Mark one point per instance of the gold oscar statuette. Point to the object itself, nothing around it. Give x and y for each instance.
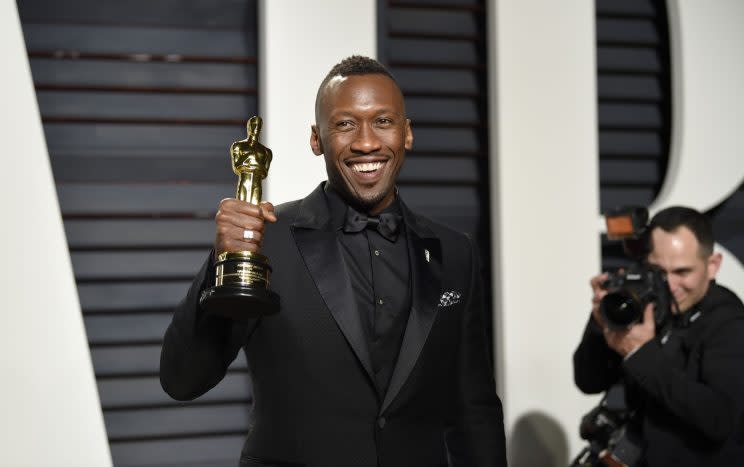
(241, 287)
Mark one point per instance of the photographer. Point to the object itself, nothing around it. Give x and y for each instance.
(683, 374)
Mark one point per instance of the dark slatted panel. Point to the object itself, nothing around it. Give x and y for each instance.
(634, 105)
(437, 51)
(140, 101)
(728, 223)
(635, 116)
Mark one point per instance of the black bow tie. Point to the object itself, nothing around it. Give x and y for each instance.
(387, 223)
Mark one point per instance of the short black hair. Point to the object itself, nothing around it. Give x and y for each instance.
(354, 65)
(672, 218)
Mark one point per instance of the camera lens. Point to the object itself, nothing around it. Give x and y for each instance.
(620, 310)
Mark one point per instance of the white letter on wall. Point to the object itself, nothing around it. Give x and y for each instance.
(545, 200)
(295, 54)
(706, 161)
(545, 189)
(50, 412)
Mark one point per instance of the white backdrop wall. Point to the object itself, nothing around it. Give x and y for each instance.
(545, 181)
(49, 402)
(706, 160)
(299, 42)
(545, 200)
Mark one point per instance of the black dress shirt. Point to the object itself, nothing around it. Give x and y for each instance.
(380, 279)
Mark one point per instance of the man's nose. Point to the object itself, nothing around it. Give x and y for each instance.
(673, 283)
(366, 140)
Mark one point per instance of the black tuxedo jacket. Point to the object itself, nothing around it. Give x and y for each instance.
(315, 402)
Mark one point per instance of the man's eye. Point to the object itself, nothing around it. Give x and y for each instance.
(344, 124)
(384, 121)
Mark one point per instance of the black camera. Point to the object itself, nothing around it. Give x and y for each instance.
(613, 432)
(630, 289)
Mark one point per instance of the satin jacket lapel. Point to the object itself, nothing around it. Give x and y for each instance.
(316, 240)
(425, 258)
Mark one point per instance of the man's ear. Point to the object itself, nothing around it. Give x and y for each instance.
(714, 264)
(409, 135)
(315, 143)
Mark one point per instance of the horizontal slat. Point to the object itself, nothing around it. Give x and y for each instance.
(631, 172)
(125, 360)
(436, 81)
(190, 452)
(102, 140)
(177, 421)
(441, 110)
(428, 51)
(614, 197)
(114, 297)
(118, 105)
(208, 76)
(627, 31)
(199, 199)
(633, 115)
(116, 329)
(138, 40)
(440, 199)
(645, 8)
(445, 139)
(402, 20)
(629, 87)
(626, 143)
(444, 170)
(213, 168)
(627, 60)
(118, 265)
(120, 393)
(89, 234)
(168, 233)
(118, 361)
(192, 13)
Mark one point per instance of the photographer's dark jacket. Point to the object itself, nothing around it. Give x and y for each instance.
(687, 384)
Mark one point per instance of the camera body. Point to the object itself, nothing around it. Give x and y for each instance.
(612, 428)
(630, 289)
(613, 433)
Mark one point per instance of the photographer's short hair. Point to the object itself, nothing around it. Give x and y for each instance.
(671, 219)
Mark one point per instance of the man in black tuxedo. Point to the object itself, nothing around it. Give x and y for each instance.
(378, 355)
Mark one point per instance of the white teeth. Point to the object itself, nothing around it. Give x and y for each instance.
(366, 166)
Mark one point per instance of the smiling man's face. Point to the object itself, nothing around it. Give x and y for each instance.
(363, 132)
(689, 270)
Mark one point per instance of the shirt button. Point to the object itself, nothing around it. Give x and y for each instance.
(380, 301)
(377, 252)
(381, 422)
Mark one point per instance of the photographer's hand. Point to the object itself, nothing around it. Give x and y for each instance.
(598, 293)
(628, 341)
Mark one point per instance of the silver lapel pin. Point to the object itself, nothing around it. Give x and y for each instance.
(427, 255)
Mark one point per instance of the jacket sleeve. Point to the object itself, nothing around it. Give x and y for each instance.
(711, 403)
(477, 437)
(596, 366)
(198, 347)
